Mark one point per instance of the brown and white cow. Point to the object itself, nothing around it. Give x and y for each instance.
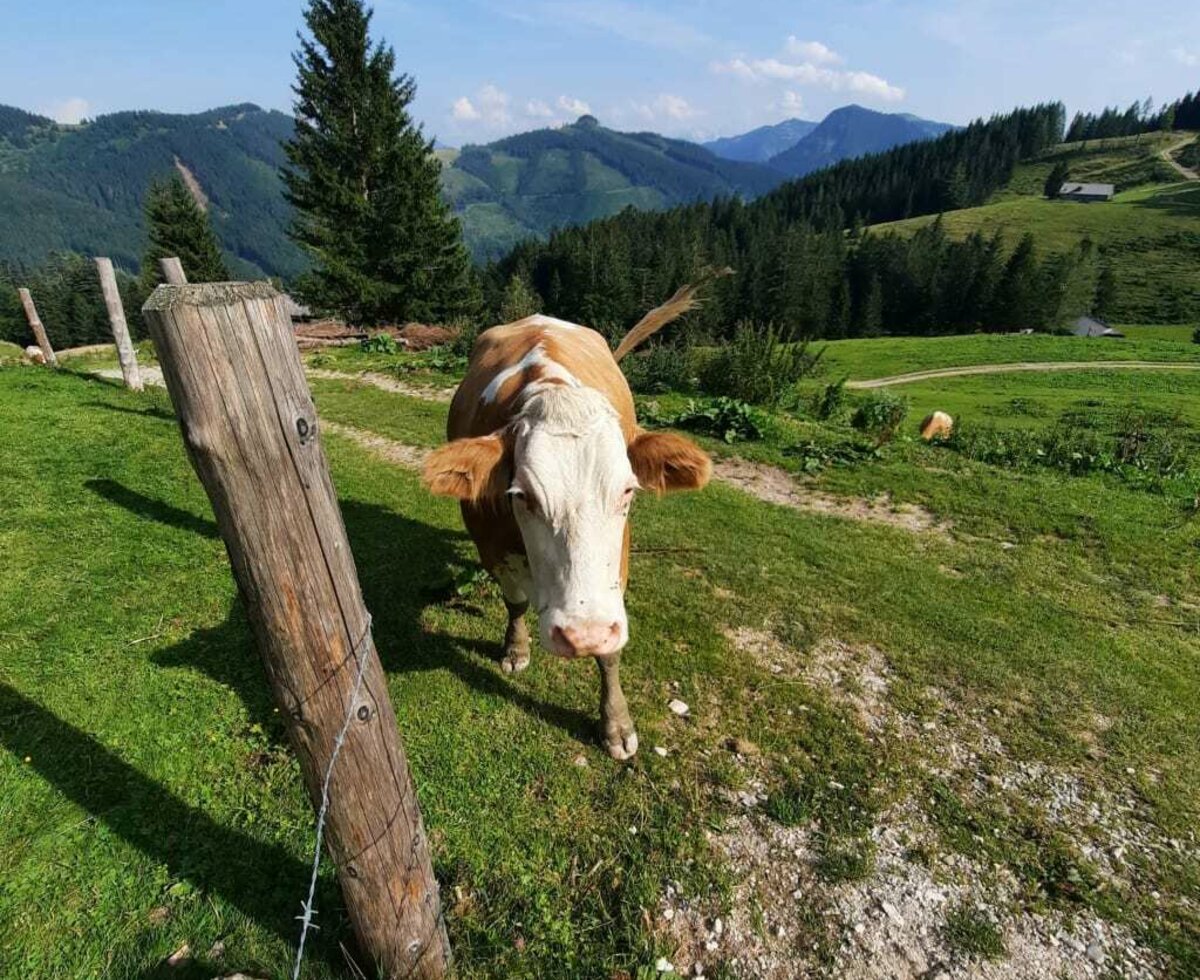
(546, 455)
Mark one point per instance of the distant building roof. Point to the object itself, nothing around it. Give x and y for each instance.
(1087, 326)
(1104, 191)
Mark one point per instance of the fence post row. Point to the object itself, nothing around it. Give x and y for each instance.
(234, 374)
(35, 324)
(116, 318)
(172, 270)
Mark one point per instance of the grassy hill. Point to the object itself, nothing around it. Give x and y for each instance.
(1150, 233)
(529, 184)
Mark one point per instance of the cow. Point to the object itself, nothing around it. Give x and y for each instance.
(545, 456)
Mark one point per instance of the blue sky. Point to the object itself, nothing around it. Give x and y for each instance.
(696, 69)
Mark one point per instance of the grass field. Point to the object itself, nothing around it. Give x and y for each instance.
(996, 705)
(1150, 232)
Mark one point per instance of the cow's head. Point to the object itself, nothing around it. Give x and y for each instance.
(567, 472)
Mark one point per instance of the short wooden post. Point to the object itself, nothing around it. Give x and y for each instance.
(172, 270)
(234, 375)
(35, 324)
(116, 318)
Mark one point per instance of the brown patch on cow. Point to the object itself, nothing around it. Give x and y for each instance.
(410, 457)
(664, 462)
(468, 469)
(776, 486)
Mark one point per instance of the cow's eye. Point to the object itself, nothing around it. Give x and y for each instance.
(627, 497)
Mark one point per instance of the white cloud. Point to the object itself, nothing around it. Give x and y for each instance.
(808, 64)
(792, 101)
(1185, 57)
(664, 107)
(576, 107)
(69, 111)
(537, 109)
(489, 108)
(813, 52)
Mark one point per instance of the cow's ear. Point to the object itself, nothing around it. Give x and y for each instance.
(469, 469)
(663, 461)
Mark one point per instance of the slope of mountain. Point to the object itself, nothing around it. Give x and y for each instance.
(853, 131)
(525, 185)
(759, 145)
(81, 187)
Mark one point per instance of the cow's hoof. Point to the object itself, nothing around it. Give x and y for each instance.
(622, 747)
(515, 660)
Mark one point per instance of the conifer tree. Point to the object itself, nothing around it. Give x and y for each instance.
(176, 226)
(1105, 302)
(1054, 182)
(520, 299)
(365, 183)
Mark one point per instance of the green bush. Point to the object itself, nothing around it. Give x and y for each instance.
(880, 415)
(1196, 335)
(725, 418)
(831, 400)
(660, 368)
(464, 340)
(380, 343)
(759, 365)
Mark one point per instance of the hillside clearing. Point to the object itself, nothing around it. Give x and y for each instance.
(999, 714)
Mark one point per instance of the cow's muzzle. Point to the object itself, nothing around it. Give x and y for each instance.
(587, 639)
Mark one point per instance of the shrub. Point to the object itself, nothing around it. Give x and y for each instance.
(1196, 335)
(880, 415)
(725, 418)
(831, 401)
(464, 340)
(759, 365)
(380, 343)
(661, 368)
(815, 456)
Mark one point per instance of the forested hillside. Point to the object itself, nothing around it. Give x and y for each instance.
(80, 188)
(759, 145)
(526, 185)
(850, 132)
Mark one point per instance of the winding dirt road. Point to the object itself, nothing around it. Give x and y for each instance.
(957, 372)
(1183, 171)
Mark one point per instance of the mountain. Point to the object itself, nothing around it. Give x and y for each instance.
(853, 131)
(526, 185)
(759, 145)
(81, 188)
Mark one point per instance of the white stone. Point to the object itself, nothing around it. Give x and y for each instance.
(664, 965)
(659, 750)
(678, 707)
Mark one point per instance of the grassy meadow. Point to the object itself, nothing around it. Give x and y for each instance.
(147, 799)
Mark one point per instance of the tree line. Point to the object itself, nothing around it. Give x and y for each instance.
(1140, 117)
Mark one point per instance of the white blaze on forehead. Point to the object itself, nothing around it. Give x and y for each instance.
(572, 464)
(537, 357)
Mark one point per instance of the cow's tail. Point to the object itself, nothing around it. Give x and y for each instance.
(686, 298)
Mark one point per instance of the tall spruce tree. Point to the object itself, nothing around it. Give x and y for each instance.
(365, 183)
(177, 226)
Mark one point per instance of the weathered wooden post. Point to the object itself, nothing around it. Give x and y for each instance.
(172, 270)
(234, 374)
(35, 324)
(116, 318)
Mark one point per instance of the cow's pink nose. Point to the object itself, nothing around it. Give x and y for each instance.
(586, 639)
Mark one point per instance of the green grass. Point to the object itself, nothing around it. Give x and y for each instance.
(861, 360)
(1150, 233)
(971, 933)
(158, 804)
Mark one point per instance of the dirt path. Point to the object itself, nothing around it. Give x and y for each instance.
(385, 383)
(1179, 168)
(956, 372)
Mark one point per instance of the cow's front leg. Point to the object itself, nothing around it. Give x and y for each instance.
(516, 639)
(619, 737)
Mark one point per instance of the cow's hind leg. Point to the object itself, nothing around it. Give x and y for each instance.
(617, 726)
(516, 639)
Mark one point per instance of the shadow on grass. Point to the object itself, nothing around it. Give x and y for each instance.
(1182, 201)
(397, 559)
(260, 879)
(150, 412)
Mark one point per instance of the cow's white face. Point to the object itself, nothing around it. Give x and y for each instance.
(571, 488)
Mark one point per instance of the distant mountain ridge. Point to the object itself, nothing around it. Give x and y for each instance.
(853, 131)
(759, 145)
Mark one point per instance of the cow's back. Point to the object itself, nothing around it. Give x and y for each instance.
(539, 349)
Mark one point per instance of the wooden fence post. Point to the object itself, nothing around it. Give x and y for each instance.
(234, 374)
(35, 324)
(172, 270)
(116, 318)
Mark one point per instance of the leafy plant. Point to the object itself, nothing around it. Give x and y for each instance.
(759, 365)
(831, 400)
(725, 418)
(972, 933)
(815, 456)
(660, 368)
(880, 415)
(380, 343)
